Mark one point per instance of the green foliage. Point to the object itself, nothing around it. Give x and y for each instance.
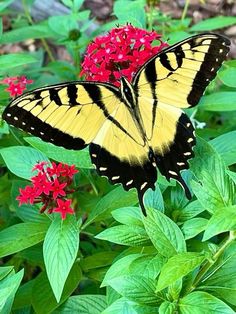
(109, 258)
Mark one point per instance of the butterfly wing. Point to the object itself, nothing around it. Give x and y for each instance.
(173, 79)
(68, 114)
(74, 115)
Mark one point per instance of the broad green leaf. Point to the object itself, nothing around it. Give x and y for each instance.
(154, 199)
(224, 219)
(213, 23)
(97, 260)
(20, 160)
(232, 176)
(136, 288)
(79, 158)
(115, 199)
(167, 308)
(225, 145)
(190, 211)
(221, 278)
(13, 60)
(128, 216)
(120, 267)
(127, 235)
(216, 188)
(177, 267)
(164, 233)
(201, 302)
(26, 212)
(8, 288)
(228, 76)
(21, 236)
(40, 30)
(42, 295)
(83, 304)
(126, 306)
(23, 295)
(60, 249)
(220, 101)
(5, 270)
(194, 226)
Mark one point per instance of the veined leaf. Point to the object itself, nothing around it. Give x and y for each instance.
(132, 216)
(13, 60)
(60, 249)
(164, 233)
(194, 226)
(213, 23)
(177, 267)
(220, 101)
(228, 76)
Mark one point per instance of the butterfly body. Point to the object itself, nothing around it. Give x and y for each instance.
(133, 130)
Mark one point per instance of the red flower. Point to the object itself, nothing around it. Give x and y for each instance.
(16, 85)
(120, 52)
(57, 189)
(48, 190)
(63, 208)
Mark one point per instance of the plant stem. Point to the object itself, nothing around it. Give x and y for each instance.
(210, 263)
(185, 10)
(43, 41)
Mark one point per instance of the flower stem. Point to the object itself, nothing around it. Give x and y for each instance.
(210, 263)
(43, 41)
(184, 13)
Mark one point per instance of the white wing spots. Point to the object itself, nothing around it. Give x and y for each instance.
(212, 69)
(8, 114)
(143, 185)
(172, 172)
(129, 182)
(187, 154)
(115, 177)
(102, 168)
(42, 133)
(188, 125)
(217, 59)
(52, 139)
(23, 123)
(154, 164)
(94, 155)
(32, 128)
(15, 118)
(180, 163)
(190, 140)
(221, 50)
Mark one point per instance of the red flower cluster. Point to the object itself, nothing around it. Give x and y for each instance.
(121, 52)
(50, 187)
(16, 84)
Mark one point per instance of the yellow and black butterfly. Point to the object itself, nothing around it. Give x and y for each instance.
(135, 129)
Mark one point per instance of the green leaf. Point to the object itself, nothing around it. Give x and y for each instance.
(128, 216)
(115, 199)
(8, 288)
(80, 158)
(220, 101)
(21, 236)
(120, 267)
(136, 288)
(228, 76)
(125, 306)
(97, 260)
(216, 188)
(213, 23)
(177, 267)
(193, 227)
(39, 30)
(20, 160)
(42, 295)
(167, 308)
(126, 235)
(190, 211)
(14, 60)
(224, 219)
(164, 233)
(83, 304)
(201, 302)
(60, 249)
(225, 145)
(154, 199)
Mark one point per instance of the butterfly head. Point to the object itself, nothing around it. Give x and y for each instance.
(127, 92)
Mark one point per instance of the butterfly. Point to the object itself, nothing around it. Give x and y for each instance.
(133, 130)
